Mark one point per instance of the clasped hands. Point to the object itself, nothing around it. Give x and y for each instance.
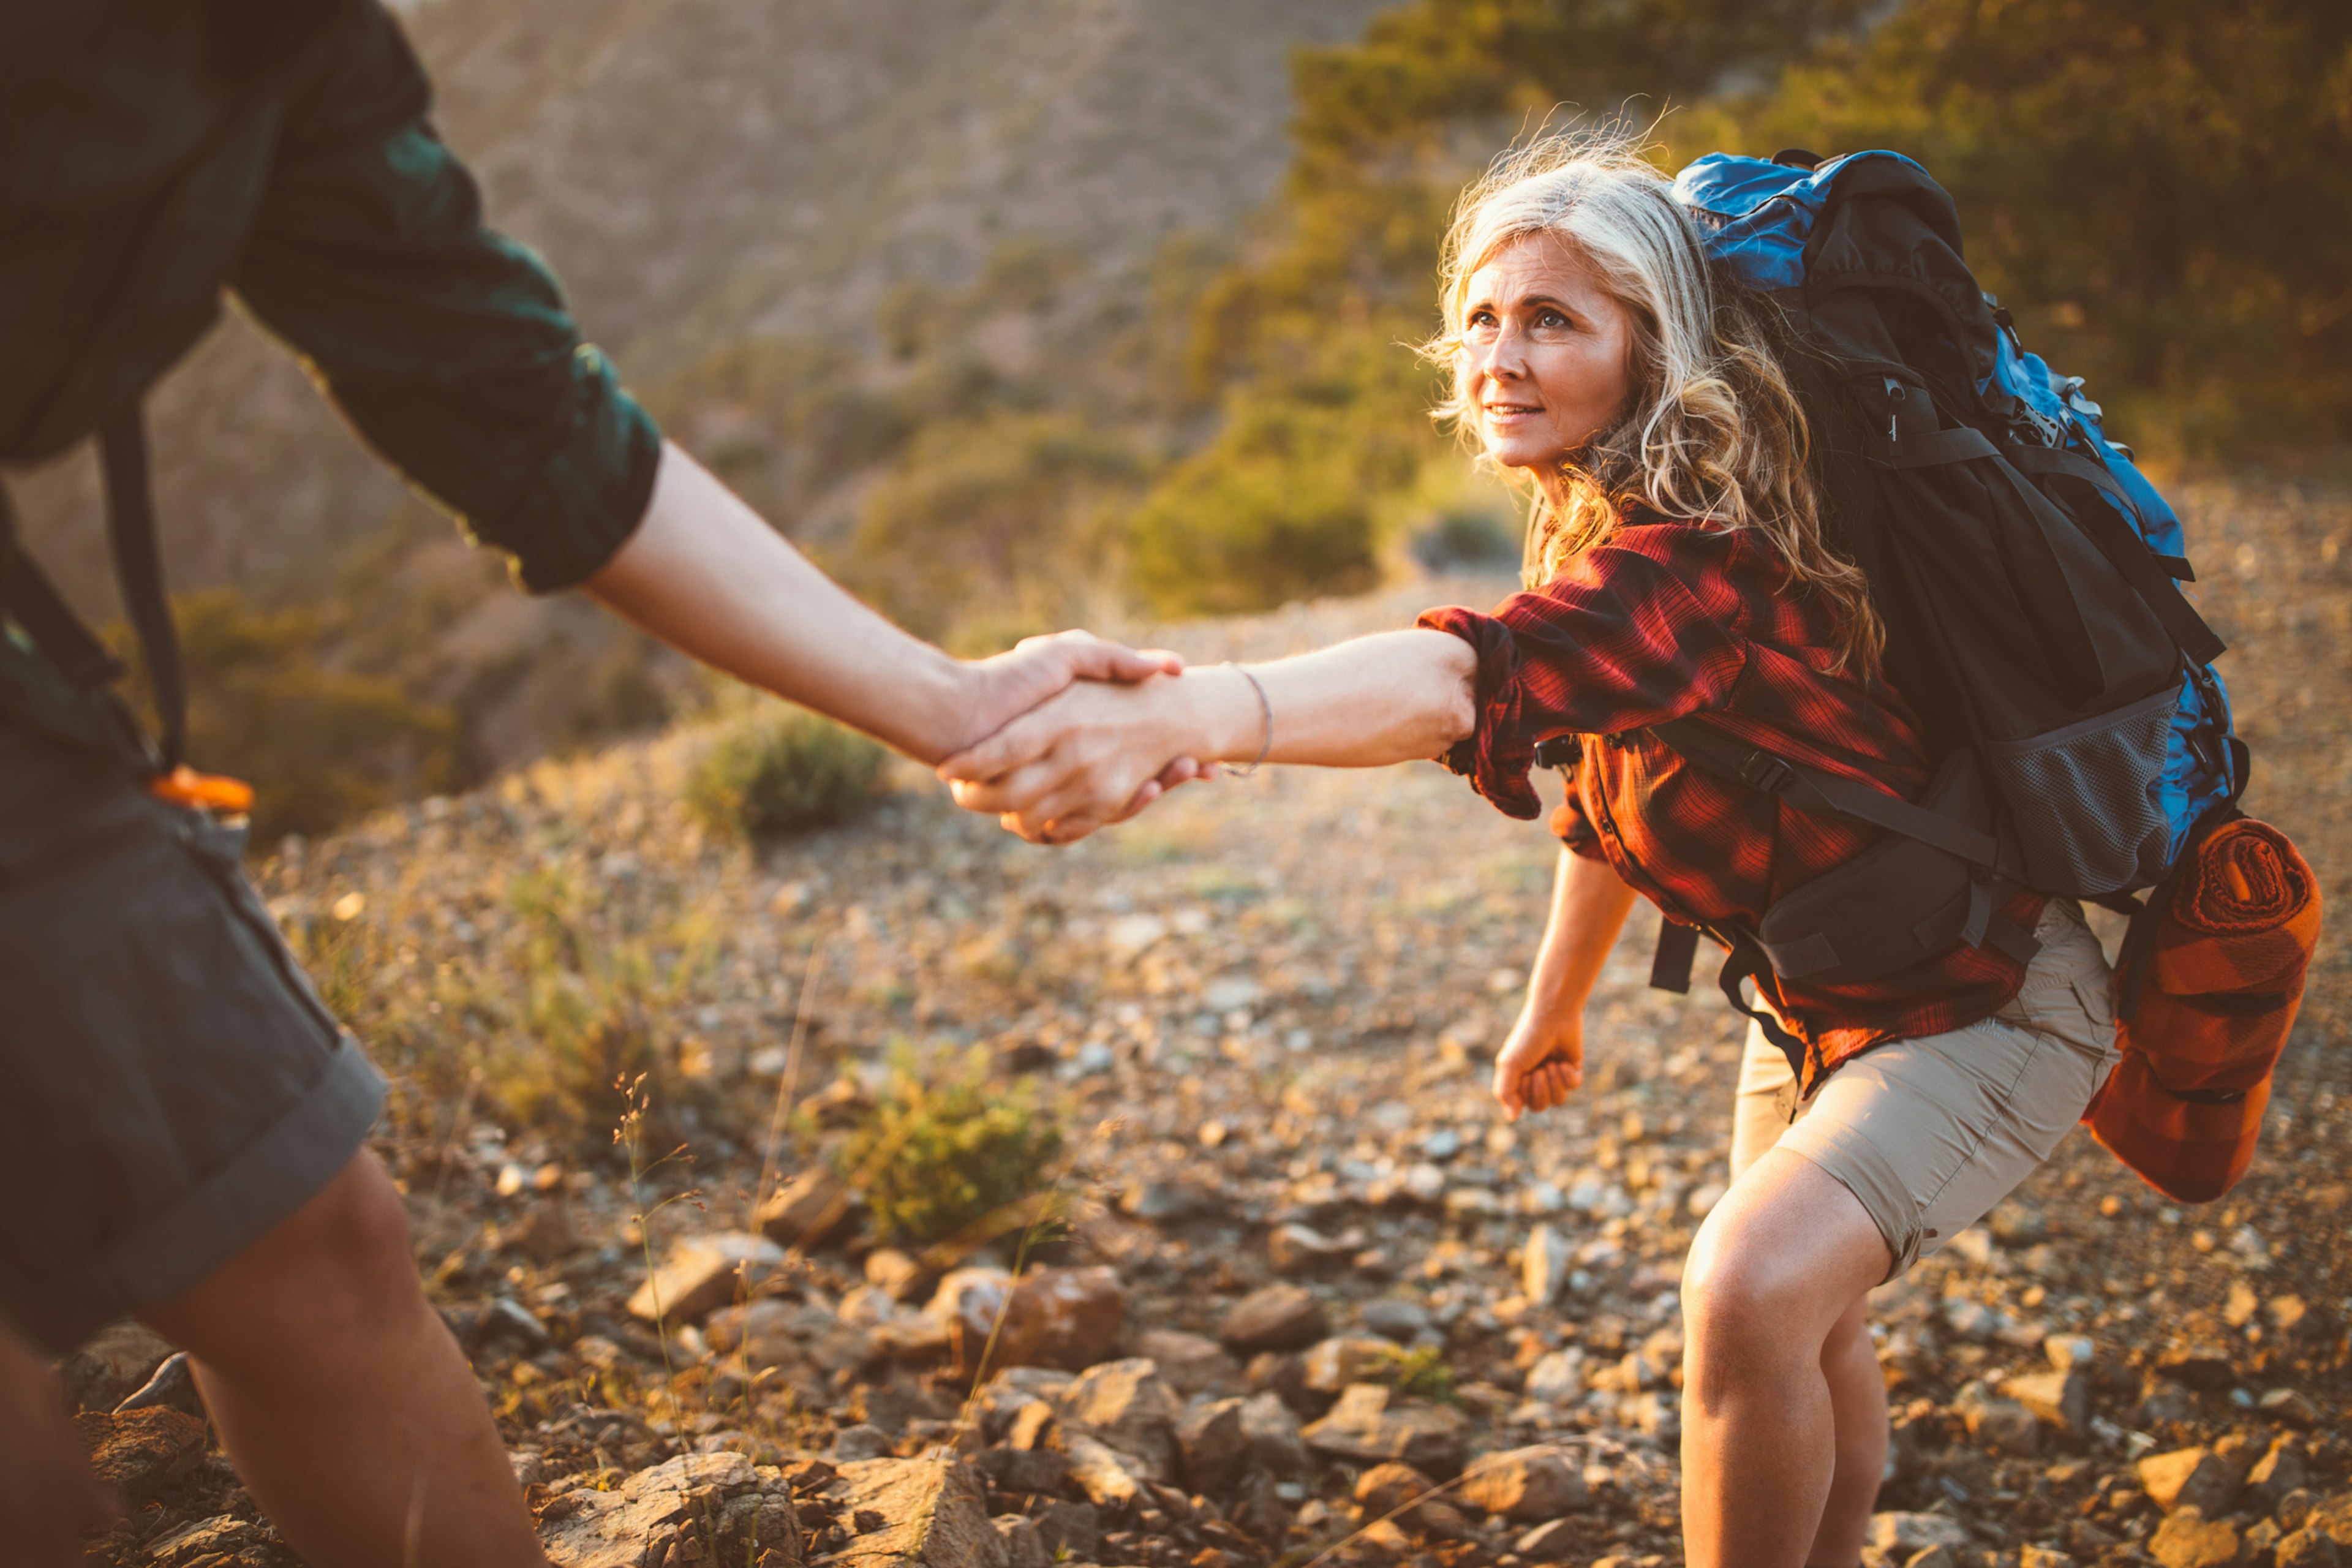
(1096, 752)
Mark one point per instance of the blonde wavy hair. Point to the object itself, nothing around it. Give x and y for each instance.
(1712, 429)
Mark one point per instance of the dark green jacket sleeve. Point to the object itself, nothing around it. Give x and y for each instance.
(447, 345)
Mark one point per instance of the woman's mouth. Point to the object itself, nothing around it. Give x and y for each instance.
(1507, 412)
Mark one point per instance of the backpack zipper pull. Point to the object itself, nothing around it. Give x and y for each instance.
(1895, 394)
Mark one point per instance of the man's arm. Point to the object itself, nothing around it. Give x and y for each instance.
(705, 574)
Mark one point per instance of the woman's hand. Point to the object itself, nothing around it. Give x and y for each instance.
(1542, 1063)
(1096, 755)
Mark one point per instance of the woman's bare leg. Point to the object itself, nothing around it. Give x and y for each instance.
(1858, 1408)
(348, 1410)
(1778, 1267)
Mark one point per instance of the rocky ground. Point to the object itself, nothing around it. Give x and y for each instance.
(1314, 1301)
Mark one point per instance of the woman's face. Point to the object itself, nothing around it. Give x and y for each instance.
(1545, 349)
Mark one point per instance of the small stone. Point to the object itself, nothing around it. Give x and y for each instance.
(1704, 1198)
(2189, 1477)
(1030, 1470)
(1558, 1377)
(897, 1274)
(1276, 1445)
(2193, 1366)
(1110, 1478)
(1213, 1441)
(1190, 1363)
(1525, 1484)
(2069, 1352)
(2290, 1405)
(853, 1444)
(1394, 1318)
(1935, 1556)
(2062, 1399)
(111, 1365)
(2309, 1547)
(2003, 1423)
(1302, 1249)
(2280, 1470)
(2043, 1557)
(1904, 1533)
(1277, 1318)
(1387, 1489)
(1024, 1547)
(1560, 1541)
(2188, 1540)
(1335, 1363)
(1065, 1318)
(1543, 1265)
(139, 1453)
(1368, 1425)
(807, 1211)
(1069, 1531)
(705, 1272)
(1131, 1409)
(1164, 1202)
(219, 1540)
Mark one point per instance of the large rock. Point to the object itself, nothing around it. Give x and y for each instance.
(2187, 1539)
(933, 1513)
(2191, 1478)
(1556, 1377)
(139, 1453)
(1070, 1530)
(1065, 1318)
(1525, 1484)
(1391, 1489)
(1278, 1317)
(1125, 1403)
(1190, 1363)
(1368, 1425)
(706, 1272)
(697, 1507)
(807, 1211)
(1996, 1422)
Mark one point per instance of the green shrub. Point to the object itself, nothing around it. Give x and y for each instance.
(777, 770)
(1419, 1374)
(943, 1151)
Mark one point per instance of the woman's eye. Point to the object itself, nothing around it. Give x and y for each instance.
(1550, 319)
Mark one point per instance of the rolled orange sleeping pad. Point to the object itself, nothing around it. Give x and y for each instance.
(2225, 973)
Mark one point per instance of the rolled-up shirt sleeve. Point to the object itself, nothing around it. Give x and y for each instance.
(1620, 644)
(447, 345)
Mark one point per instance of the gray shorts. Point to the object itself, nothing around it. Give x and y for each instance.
(1930, 1133)
(171, 1086)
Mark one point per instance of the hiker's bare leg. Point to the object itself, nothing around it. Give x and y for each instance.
(348, 1410)
(1858, 1408)
(1776, 1269)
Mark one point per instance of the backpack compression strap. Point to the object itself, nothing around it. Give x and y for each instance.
(72, 649)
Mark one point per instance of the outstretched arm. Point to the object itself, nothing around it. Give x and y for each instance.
(1060, 772)
(706, 574)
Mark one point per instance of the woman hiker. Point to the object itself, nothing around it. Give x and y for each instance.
(182, 1136)
(1676, 567)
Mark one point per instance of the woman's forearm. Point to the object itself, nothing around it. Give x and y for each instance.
(1589, 905)
(1389, 697)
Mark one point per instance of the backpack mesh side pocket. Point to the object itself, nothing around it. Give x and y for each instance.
(2085, 799)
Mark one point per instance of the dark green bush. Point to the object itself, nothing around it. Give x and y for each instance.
(945, 1150)
(777, 770)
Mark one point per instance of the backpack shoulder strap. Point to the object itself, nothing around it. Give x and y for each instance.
(1811, 789)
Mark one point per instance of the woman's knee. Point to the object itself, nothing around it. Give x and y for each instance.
(338, 1264)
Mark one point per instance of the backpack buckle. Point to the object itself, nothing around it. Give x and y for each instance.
(1760, 770)
(1559, 752)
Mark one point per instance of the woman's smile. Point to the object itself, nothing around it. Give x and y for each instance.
(1544, 350)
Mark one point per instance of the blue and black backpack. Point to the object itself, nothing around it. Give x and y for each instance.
(2027, 573)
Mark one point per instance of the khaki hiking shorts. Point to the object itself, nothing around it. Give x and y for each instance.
(1930, 1133)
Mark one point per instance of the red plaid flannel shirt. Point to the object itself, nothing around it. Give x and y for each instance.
(1668, 619)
